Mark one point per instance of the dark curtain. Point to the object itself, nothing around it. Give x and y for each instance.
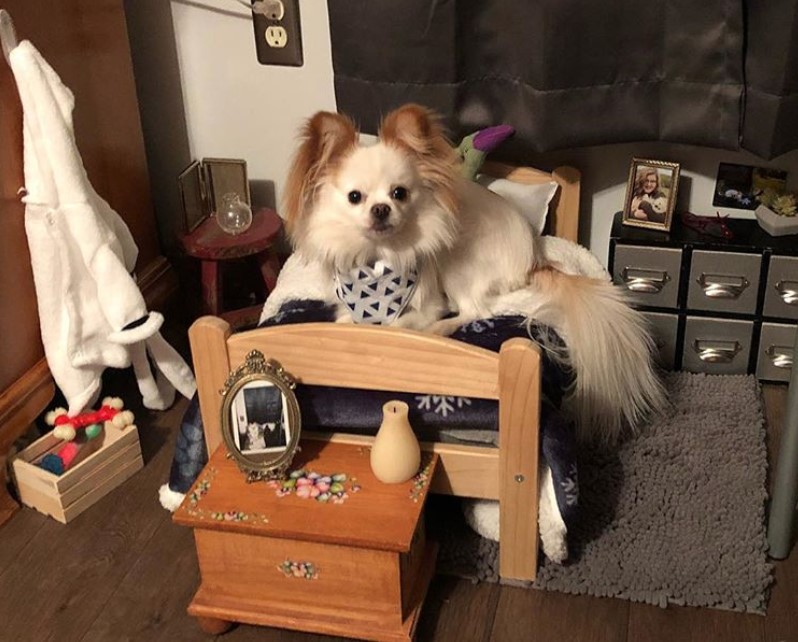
(567, 73)
(770, 126)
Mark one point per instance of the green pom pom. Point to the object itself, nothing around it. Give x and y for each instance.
(94, 430)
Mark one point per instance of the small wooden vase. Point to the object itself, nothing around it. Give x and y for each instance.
(395, 454)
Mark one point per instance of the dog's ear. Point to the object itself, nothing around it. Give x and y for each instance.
(418, 130)
(324, 140)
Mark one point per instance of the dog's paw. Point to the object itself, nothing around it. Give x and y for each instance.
(344, 317)
(445, 327)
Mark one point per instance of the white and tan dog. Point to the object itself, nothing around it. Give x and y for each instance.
(402, 201)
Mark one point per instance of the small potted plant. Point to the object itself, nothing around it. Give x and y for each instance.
(777, 212)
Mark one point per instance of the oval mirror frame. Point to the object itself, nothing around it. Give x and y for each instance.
(261, 422)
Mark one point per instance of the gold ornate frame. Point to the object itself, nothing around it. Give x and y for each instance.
(256, 368)
(674, 189)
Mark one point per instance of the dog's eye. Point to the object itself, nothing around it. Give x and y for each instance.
(354, 197)
(399, 193)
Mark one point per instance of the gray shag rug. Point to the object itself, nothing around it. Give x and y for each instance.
(674, 516)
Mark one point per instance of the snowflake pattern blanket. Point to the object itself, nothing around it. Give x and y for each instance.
(435, 418)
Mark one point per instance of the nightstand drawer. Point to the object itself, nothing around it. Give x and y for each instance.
(724, 281)
(717, 346)
(776, 342)
(781, 291)
(650, 273)
(663, 329)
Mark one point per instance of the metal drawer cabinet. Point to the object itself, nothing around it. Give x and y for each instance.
(663, 328)
(724, 281)
(781, 290)
(775, 352)
(650, 273)
(717, 346)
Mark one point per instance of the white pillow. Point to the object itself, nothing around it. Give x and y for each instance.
(531, 200)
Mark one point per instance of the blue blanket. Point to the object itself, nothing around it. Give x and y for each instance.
(433, 417)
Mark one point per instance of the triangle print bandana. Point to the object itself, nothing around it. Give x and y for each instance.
(375, 294)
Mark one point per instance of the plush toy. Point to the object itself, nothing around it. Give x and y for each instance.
(474, 148)
(83, 433)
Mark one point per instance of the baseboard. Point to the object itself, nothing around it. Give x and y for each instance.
(158, 282)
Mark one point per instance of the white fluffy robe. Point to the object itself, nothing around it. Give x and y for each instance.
(82, 254)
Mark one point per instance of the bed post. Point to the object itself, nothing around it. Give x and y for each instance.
(519, 429)
(566, 208)
(208, 337)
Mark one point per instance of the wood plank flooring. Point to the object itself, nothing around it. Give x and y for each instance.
(123, 571)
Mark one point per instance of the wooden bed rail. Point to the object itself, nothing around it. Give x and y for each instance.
(378, 358)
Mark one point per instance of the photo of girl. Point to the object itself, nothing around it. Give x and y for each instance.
(651, 194)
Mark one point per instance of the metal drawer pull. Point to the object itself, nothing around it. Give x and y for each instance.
(644, 281)
(716, 351)
(788, 291)
(722, 287)
(780, 356)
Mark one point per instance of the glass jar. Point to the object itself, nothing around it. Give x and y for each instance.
(234, 215)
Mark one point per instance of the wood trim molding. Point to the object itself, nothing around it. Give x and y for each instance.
(158, 283)
(20, 404)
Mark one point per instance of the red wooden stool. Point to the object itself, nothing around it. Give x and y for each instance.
(212, 246)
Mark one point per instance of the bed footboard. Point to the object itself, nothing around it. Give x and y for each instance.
(407, 361)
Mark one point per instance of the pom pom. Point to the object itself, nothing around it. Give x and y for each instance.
(51, 416)
(94, 430)
(65, 432)
(127, 417)
(114, 402)
(52, 463)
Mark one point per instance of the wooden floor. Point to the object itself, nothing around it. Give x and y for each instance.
(123, 571)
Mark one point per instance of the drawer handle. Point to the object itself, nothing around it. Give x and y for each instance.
(722, 287)
(780, 356)
(788, 292)
(716, 351)
(645, 281)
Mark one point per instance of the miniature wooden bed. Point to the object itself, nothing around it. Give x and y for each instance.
(392, 359)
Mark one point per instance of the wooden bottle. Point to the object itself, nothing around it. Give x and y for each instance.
(395, 453)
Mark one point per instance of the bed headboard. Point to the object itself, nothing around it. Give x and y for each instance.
(564, 208)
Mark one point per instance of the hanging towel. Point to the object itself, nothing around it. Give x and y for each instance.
(91, 311)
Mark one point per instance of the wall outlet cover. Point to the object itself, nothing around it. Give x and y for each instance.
(279, 42)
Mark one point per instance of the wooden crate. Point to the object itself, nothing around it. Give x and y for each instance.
(64, 497)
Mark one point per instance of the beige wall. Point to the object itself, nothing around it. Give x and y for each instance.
(236, 107)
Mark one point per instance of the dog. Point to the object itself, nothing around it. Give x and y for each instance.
(402, 202)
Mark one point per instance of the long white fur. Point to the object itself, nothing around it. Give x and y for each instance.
(479, 260)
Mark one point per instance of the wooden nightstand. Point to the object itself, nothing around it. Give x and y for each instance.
(342, 555)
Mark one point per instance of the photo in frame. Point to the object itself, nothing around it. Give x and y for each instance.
(204, 183)
(740, 186)
(260, 418)
(225, 176)
(193, 197)
(651, 194)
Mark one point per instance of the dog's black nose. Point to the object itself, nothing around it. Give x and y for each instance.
(380, 211)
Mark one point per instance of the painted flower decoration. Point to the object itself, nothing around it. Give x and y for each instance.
(302, 570)
(312, 485)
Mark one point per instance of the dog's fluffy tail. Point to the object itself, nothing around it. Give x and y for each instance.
(616, 385)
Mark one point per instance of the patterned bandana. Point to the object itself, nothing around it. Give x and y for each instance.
(375, 294)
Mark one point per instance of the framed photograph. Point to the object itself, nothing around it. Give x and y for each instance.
(651, 194)
(740, 186)
(193, 197)
(225, 175)
(261, 423)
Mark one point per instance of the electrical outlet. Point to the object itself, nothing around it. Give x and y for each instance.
(279, 42)
(276, 36)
